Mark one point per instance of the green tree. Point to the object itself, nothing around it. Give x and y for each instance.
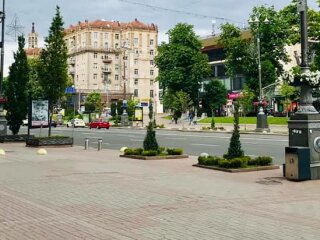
(245, 101)
(236, 50)
(17, 105)
(34, 88)
(273, 36)
(235, 149)
(287, 92)
(53, 65)
(215, 96)
(93, 103)
(150, 141)
(181, 64)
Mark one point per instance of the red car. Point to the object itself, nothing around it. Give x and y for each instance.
(99, 123)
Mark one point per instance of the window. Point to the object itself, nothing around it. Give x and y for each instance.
(151, 93)
(117, 36)
(151, 52)
(136, 71)
(95, 35)
(135, 41)
(136, 93)
(116, 77)
(135, 61)
(95, 66)
(117, 56)
(136, 81)
(95, 55)
(116, 67)
(106, 36)
(117, 45)
(95, 76)
(106, 45)
(151, 72)
(151, 82)
(151, 62)
(151, 41)
(95, 44)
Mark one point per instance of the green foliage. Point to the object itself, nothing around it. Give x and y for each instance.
(150, 141)
(179, 102)
(287, 92)
(180, 62)
(175, 151)
(133, 151)
(113, 109)
(149, 153)
(248, 120)
(150, 110)
(53, 66)
(161, 150)
(263, 161)
(130, 108)
(235, 150)
(16, 93)
(93, 102)
(34, 87)
(246, 99)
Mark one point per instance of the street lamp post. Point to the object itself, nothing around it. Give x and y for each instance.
(124, 117)
(3, 122)
(262, 119)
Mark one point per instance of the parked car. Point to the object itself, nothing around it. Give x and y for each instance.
(100, 123)
(25, 122)
(76, 123)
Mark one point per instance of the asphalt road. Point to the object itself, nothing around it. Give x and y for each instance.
(193, 143)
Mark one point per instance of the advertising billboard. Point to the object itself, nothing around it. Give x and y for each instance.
(39, 113)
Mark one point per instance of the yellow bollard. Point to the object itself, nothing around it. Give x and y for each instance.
(42, 151)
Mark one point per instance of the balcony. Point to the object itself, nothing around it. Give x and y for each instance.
(107, 60)
(106, 70)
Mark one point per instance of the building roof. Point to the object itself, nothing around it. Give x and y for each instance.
(103, 24)
(33, 51)
(212, 42)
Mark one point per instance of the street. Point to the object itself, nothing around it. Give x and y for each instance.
(193, 143)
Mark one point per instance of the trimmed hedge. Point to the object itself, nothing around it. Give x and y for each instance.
(133, 151)
(149, 153)
(240, 162)
(175, 151)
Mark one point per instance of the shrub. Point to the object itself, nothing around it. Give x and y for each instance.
(175, 151)
(133, 151)
(263, 160)
(160, 126)
(161, 150)
(149, 153)
(252, 162)
(224, 163)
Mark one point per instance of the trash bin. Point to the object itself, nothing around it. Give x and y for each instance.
(297, 163)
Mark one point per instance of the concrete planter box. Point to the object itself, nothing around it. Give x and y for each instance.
(14, 138)
(52, 141)
(155, 157)
(237, 170)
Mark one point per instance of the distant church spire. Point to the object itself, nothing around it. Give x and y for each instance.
(33, 38)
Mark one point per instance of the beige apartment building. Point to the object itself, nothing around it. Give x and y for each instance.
(115, 59)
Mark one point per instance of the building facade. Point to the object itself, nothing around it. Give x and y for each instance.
(115, 59)
(33, 51)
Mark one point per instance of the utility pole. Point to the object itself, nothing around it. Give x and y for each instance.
(3, 121)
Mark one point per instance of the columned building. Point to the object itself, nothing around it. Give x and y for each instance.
(114, 59)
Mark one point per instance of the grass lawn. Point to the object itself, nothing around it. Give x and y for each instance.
(247, 120)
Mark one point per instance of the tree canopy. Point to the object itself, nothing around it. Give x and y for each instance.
(17, 105)
(181, 64)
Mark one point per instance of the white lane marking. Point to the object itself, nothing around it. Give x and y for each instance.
(137, 140)
(177, 138)
(199, 144)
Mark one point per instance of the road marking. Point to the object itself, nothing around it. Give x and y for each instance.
(177, 138)
(137, 140)
(199, 144)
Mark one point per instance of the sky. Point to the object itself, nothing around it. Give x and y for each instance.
(165, 14)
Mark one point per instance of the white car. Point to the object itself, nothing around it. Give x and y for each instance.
(76, 123)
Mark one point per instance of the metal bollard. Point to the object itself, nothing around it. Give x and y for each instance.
(86, 144)
(99, 144)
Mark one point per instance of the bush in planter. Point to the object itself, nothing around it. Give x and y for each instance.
(149, 153)
(175, 151)
(133, 151)
(161, 150)
(263, 160)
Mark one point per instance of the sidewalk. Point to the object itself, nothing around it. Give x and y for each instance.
(72, 193)
(248, 128)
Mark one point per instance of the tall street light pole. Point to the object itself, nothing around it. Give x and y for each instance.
(262, 119)
(3, 122)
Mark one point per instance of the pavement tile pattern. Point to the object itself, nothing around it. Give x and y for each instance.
(72, 193)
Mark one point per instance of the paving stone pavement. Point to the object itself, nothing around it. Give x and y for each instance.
(72, 193)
